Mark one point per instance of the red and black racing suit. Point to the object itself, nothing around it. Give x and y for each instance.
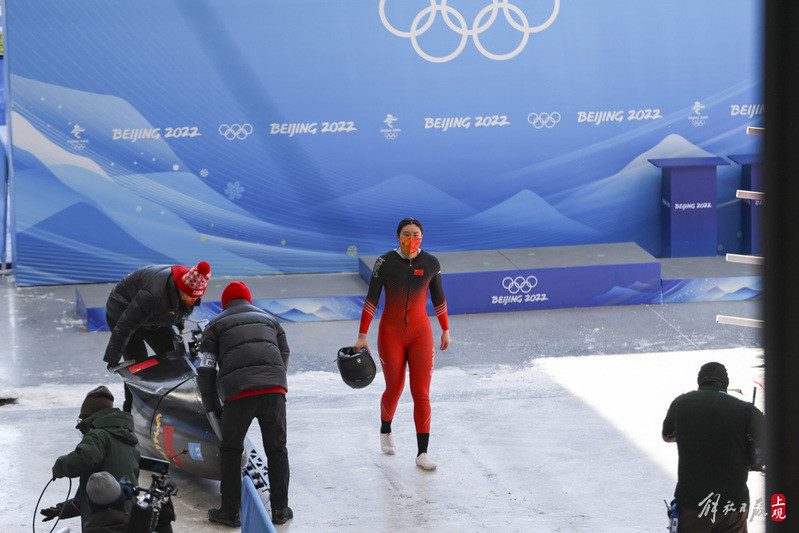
(405, 333)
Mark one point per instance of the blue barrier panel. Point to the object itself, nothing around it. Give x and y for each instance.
(80, 306)
(313, 309)
(552, 288)
(751, 171)
(4, 201)
(728, 289)
(254, 518)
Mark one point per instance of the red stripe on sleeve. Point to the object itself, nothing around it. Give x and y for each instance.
(366, 316)
(441, 313)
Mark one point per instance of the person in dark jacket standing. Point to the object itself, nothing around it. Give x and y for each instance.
(108, 444)
(712, 430)
(250, 350)
(143, 307)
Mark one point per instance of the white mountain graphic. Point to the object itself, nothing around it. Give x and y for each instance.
(532, 219)
(632, 194)
(403, 193)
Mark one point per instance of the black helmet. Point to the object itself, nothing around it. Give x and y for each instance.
(357, 368)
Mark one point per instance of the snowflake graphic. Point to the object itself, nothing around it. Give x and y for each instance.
(234, 190)
(204, 173)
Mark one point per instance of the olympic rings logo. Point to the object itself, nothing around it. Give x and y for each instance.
(235, 131)
(539, 120)
(519, 284)
(479, 25)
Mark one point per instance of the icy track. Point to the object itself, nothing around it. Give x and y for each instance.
(567, 444)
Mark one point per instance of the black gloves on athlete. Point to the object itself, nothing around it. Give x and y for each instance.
(65, 509)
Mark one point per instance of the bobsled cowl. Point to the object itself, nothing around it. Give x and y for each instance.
(168, 414)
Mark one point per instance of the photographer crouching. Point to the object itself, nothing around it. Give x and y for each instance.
(108, 444)
(106, 454)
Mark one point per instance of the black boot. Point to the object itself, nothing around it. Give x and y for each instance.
(223, 517)
(281, 516)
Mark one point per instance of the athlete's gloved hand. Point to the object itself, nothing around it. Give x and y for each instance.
(59, 511)
(216, 407)
(113, 355)
(177, 334)
(50, 513)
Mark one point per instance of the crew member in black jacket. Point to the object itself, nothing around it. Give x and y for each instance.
(713, 431)
(143, 307)
(250, 350)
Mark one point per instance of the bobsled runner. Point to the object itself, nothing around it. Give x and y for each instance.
(170, 420)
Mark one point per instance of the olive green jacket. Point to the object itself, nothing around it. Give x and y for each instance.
(108, 444)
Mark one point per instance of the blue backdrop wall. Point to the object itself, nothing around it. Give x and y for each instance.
(270, 137)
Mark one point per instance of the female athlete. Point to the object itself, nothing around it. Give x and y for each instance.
(404, 334)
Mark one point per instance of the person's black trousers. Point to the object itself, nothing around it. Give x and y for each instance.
(161, 340)
(237, 415)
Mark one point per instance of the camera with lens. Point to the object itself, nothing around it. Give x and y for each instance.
(196, 336)
(194, 342)
(152, 508)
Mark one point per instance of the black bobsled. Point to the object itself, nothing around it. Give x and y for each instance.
(170, 420)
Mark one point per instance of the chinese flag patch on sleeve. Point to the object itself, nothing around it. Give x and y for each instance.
(418, 272)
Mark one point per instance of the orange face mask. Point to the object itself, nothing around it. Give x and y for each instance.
(410, 245)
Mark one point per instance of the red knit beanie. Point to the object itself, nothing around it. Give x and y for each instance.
(236, 290)
(192, 281)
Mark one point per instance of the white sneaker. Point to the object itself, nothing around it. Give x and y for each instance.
(387, 443)
(425, 462)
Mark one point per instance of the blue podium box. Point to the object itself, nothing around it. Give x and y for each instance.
(688, 205)
(751, 172)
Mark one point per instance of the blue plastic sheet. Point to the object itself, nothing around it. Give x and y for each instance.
(254, 517)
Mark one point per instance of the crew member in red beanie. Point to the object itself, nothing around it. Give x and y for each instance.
(236, 290)
(252, 362)
(143, 307)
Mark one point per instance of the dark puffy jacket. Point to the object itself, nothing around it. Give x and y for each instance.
(250, 348)
(107, 521)
(109, 443)
(146, 298)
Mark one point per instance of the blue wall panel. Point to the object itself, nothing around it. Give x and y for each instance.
(270, 137)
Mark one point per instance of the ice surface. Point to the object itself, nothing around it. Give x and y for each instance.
(558, 444)
(536, 426)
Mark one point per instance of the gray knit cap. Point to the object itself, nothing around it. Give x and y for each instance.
(102, 489)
